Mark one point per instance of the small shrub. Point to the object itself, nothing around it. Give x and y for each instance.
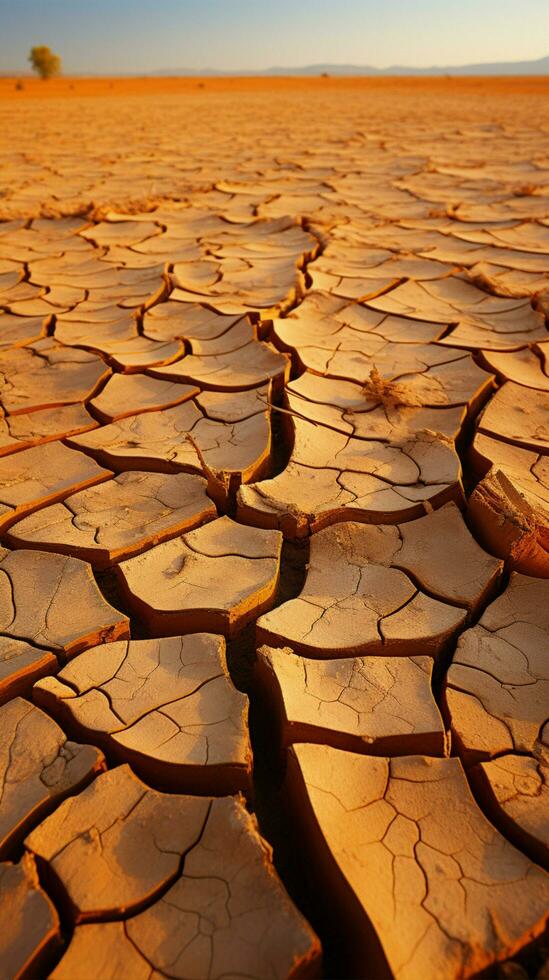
(44, 62)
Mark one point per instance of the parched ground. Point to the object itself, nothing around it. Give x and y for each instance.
(274, 494)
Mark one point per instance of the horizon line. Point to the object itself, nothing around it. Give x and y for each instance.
(289, 70)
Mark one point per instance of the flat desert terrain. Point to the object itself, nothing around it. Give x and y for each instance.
(274, 563)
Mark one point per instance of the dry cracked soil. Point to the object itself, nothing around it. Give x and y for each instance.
(274, 535)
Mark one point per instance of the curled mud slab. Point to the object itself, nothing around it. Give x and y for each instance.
(274, 529)
(42, 475)
(497, 687)
(53, 602)
(223, 574)
(119, 518)
(30, 934)
(385, 589)
(39, 768)
(117, 844)
(440, 885)
(168, 706)
(226, 913)
(365, 704)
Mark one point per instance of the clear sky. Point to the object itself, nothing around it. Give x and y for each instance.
(125, 36)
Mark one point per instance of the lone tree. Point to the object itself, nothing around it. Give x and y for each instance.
(44, 62)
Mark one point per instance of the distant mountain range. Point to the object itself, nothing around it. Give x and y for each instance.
(538, 67)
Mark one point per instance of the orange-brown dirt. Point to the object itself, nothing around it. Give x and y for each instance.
(74, 87)
(274, 537)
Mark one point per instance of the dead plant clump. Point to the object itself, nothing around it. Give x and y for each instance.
(541, 303)
(391, 394)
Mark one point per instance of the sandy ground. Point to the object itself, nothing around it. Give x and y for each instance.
(274, 368)
(96, 131)
(76, 87)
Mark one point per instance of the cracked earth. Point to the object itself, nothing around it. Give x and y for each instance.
(274, 533)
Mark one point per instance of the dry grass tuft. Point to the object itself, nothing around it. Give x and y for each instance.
(391, 394)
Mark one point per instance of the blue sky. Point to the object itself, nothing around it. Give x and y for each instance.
(124, 36)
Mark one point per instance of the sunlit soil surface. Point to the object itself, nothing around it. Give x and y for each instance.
(274, 486)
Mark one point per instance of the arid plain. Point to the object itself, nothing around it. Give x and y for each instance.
(274, 563)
